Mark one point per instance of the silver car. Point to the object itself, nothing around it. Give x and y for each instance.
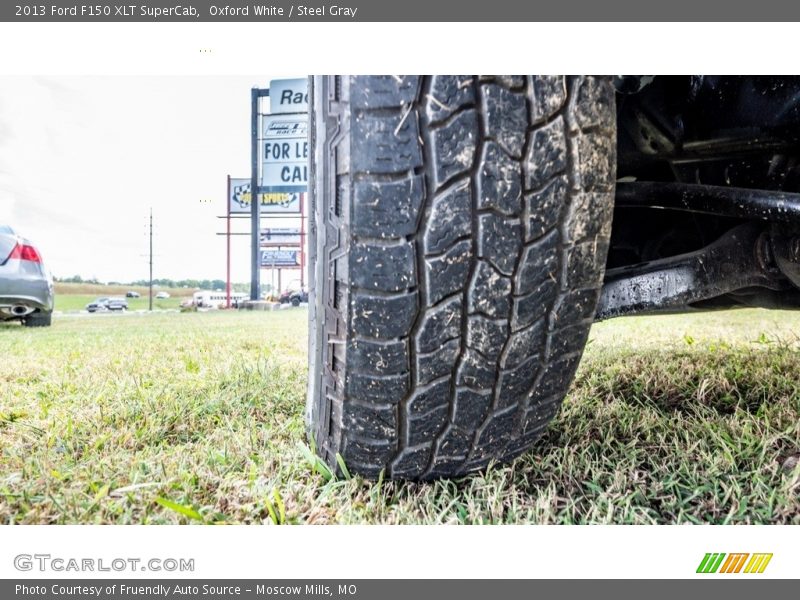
(26, 285)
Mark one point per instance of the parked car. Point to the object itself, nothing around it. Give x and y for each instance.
(162, 295)
(132, 294)
(294, 297)
(26, 285)
(102, 304)
(463, 243)
(297, 297)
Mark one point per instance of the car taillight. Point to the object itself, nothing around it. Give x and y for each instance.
(25, 252)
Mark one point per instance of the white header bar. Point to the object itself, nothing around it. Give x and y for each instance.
(583, 552)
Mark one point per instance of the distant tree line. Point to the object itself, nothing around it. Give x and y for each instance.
(203, 284)
(75, 279)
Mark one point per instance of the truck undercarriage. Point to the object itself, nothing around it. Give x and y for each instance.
(707, 213)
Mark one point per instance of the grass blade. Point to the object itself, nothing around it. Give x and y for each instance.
(186, 511)
(342, 466)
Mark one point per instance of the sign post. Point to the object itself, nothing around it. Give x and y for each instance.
(256, 94)
(278, 173)
(228, 257)
(255, 207)
(302, 243)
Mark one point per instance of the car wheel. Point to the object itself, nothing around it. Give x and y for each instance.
(295, 302)
(39, 319)
(459, 235)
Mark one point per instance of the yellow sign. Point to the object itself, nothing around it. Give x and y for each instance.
(271, 202)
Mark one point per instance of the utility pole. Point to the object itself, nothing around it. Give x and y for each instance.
(151, 258)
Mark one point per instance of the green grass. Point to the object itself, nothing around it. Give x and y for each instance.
(174, 418)
(76, 302)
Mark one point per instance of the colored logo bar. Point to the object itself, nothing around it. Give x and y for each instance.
(737, 562)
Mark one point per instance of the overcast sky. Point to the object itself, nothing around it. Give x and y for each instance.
(82, 159)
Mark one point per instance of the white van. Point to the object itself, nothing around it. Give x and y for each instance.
(209, 299)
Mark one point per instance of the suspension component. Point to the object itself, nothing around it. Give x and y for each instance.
(763, 205)
(741, 260)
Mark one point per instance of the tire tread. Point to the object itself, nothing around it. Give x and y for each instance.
(466, 223)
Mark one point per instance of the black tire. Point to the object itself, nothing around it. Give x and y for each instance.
(39, 319)
(459, 235)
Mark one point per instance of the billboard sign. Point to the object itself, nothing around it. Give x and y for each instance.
(280, 236)
(280, 258)
(271, 202)
(284, 153)
(288, 96)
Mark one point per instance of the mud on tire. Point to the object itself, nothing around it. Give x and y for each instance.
(459, 234)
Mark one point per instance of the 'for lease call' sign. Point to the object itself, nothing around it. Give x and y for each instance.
(284, 158)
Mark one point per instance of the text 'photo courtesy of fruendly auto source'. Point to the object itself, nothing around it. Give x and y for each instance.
(400, 299)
